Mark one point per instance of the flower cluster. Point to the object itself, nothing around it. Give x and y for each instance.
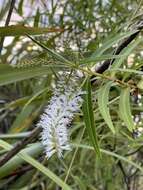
(58, 115)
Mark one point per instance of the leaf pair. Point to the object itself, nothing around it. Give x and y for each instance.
(124, 106)
(103, 102)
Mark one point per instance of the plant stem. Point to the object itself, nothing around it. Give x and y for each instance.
(119, 82)
(7, 21)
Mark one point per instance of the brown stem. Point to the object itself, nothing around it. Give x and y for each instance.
(20, 145)
(7, 21)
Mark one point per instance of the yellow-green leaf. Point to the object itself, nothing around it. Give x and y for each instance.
(103, 99)
(19, 30)
(125, 109)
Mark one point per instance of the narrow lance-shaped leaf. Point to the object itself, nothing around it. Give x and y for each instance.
(110, 42)
(38, 166)
(37, 18)
(19, 30)
(8, 74)
(21, 119)
(125, 109)
(89, 117)
(90, 60)
(20, 7)
(125, 52)
(51, 52)
(15, 162)
(103, 99)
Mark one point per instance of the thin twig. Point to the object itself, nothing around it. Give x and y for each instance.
(73, 158)
(20, 145)
(124, 174)
(7, 21)
(21, 171)
(134, 152)
(119, 82)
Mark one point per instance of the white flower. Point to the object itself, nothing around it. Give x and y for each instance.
(57, 116)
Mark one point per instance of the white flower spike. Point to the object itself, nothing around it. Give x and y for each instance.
(57, 116)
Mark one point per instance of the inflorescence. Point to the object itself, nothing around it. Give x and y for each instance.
(58, 115)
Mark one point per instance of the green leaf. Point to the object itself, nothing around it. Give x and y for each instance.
(14, 136)
(103, 101)
(20, 7)
(37, 18)
(126, 52)
(37, 165)
(140, 84)
(33, 150)
(19, 30)
(52, 52)
(110, 42)
(90, 60)
(125, 109)
(21, 118)
(109, 153)
(8, 74)
(80, 183)
(128, 71)
(89, 116)
(34, 97)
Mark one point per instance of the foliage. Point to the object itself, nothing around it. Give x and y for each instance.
(51, 38)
